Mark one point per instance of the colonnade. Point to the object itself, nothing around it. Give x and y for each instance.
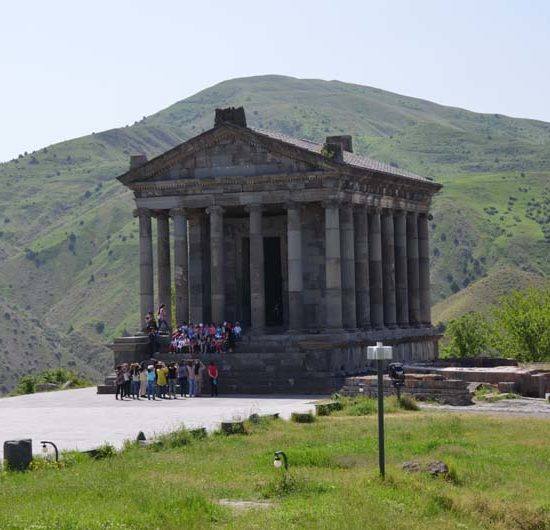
(376, 265)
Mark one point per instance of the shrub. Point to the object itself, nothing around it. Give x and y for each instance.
(466, 336)
(302, 417)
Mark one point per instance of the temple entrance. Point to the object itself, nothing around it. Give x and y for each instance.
(273, 282)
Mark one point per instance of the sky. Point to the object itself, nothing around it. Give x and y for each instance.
(72, 67)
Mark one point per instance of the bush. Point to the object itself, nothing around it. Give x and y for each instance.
(302, 417)
(466, 336)
(522, 325)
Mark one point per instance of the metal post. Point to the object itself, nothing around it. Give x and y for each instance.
(381, 456)
(380, 353)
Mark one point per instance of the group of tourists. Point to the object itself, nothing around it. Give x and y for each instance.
(192, 338)
(157, 380)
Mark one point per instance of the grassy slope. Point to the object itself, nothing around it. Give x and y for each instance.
(68, 242)
(498, 481)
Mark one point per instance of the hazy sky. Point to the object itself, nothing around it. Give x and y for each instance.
(70, 67)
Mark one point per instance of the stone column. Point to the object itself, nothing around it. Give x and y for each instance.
(163, 258)
(196, 308)
(401, 280)
(347, 253)
(375, 270)
(217, 276)
(361, 241)
(181, 269)
(333, 266)
(295, 275)
(146, 289)
(257, 286)
(412, 268)
(424, 269)
(388, 268)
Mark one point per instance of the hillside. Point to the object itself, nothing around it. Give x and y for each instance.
(68, 245)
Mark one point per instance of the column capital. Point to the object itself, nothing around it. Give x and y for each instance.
(388, 211)
(215, 209)
(374, 210)
(412, 214)
(142, 212)
(178, 211)
(400, 213)
(254, 207)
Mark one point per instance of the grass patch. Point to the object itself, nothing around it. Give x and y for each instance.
(499, 477)
(363, 406)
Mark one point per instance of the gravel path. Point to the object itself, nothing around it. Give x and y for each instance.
(509, 407)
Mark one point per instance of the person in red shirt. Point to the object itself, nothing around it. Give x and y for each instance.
(213, 375)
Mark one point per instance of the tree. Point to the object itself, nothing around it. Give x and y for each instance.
(467, 336)
(522, 325)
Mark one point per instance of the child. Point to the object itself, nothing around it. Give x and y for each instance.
(213, 376)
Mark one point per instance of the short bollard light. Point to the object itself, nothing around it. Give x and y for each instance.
(380, 353)
(278, 462)
(45, 444)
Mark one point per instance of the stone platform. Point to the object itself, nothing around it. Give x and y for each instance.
(82, 420)
(289, 363)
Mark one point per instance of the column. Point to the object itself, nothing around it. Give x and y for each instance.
(388, 268)
(217, 289)
(163, 259)
(333, 270)
(146, 289)
(181, 265)
(401, 280)
(295, 275)
(196, 308)
(361, 241)
(375, 270)
(257, 285)
(347, 253)
(412, 268)
(424, 269)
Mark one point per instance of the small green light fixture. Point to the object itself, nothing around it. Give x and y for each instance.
(279, 462)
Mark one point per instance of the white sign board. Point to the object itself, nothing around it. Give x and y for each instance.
(379, 352)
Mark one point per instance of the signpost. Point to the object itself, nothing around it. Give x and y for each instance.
(380, 353)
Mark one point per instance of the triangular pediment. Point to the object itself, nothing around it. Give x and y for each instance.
(225, 152)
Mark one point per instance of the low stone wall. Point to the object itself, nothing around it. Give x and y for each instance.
(423, 388)
(527, 382)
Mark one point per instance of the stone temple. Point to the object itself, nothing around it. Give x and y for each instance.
(317, 251)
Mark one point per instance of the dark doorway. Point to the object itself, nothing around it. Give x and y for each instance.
(273, 281)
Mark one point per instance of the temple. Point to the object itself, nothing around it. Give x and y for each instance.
(317, 251)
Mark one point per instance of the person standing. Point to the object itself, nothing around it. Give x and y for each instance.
(172, 378)
(161, 317)
(119, 381)
(151, 377)
(199, 370)
(213, 376)
(191, 379)
(162, 380)
(135, 372)
(182, 378)
(143, 380)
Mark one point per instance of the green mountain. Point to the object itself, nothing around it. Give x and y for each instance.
(68, 241)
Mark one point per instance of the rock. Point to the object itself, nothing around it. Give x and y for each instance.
(437, 467)
(411, 466)
(46, 387)
(233, 427)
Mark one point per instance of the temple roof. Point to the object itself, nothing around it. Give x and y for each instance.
(351, 159)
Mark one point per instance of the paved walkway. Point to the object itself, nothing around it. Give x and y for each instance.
(81, 419)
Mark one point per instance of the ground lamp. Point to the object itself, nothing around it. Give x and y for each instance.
(45, 443)
(380, 353)
(278, 463)
(397, 376)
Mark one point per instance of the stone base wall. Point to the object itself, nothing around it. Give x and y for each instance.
(303, 364)
(527, 382)
(445, 391)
